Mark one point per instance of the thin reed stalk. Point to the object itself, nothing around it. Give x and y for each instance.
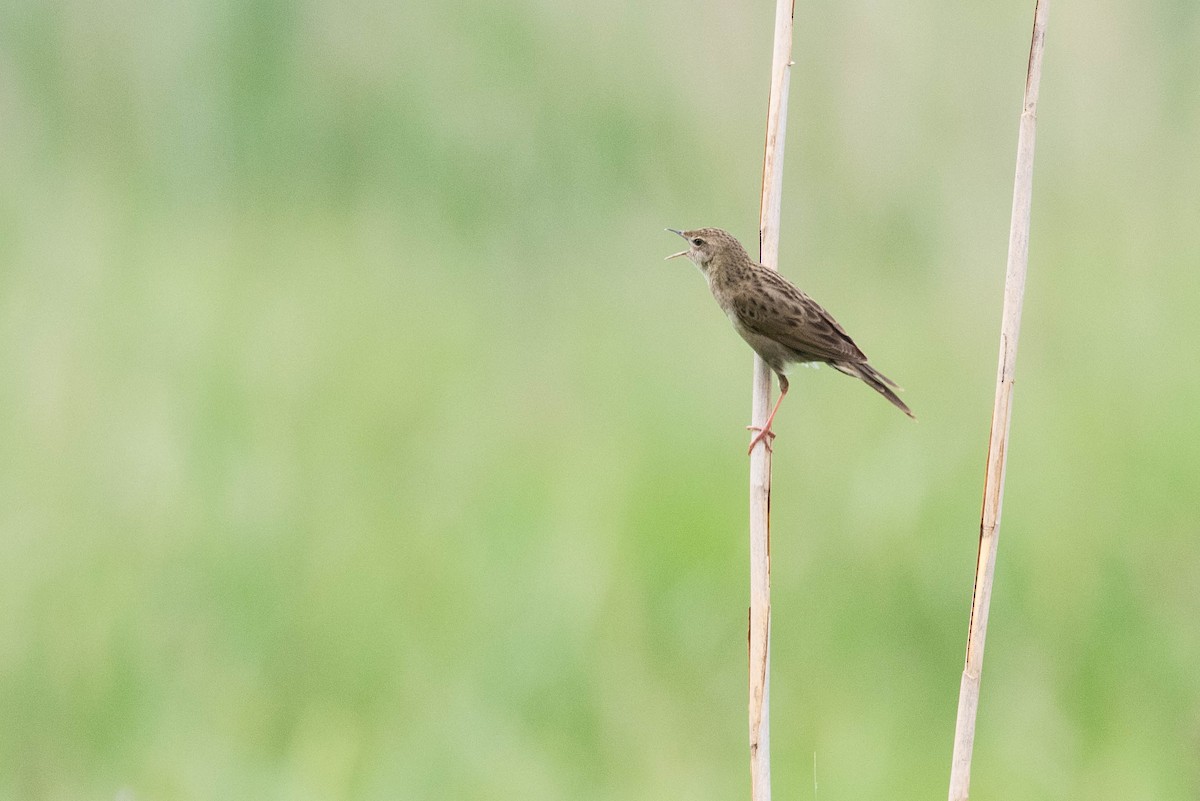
(760, 459)
(993, 485)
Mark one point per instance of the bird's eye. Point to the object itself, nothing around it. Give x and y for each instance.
(697, 241)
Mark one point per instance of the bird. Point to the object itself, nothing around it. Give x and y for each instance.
(782, 324)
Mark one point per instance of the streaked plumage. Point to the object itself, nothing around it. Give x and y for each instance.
(782, 324)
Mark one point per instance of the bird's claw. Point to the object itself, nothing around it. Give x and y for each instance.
(765, 436)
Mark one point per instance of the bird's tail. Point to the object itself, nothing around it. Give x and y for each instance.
(876, 381)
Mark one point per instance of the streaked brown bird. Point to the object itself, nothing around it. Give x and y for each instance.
(782, 324)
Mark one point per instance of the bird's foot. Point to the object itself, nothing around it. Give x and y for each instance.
(765, 435)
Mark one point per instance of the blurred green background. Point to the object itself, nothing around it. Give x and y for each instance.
(358, 443)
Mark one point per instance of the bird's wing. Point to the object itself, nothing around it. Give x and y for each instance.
(775, 309)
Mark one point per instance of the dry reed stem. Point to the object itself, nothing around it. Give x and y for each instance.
(993, 487)
(760, 458)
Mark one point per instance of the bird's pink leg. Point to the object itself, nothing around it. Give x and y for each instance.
(765, 435)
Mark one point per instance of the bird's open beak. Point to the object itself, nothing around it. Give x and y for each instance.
(680, 253)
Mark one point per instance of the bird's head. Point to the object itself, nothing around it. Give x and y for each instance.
(707, 244)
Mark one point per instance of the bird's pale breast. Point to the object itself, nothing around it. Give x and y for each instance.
(774, 354)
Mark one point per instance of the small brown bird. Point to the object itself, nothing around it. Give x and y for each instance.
(782, 324)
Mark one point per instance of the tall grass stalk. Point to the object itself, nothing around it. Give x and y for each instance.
(993, 485)
(760, 458)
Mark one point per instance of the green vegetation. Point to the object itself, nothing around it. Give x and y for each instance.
(359, 444)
